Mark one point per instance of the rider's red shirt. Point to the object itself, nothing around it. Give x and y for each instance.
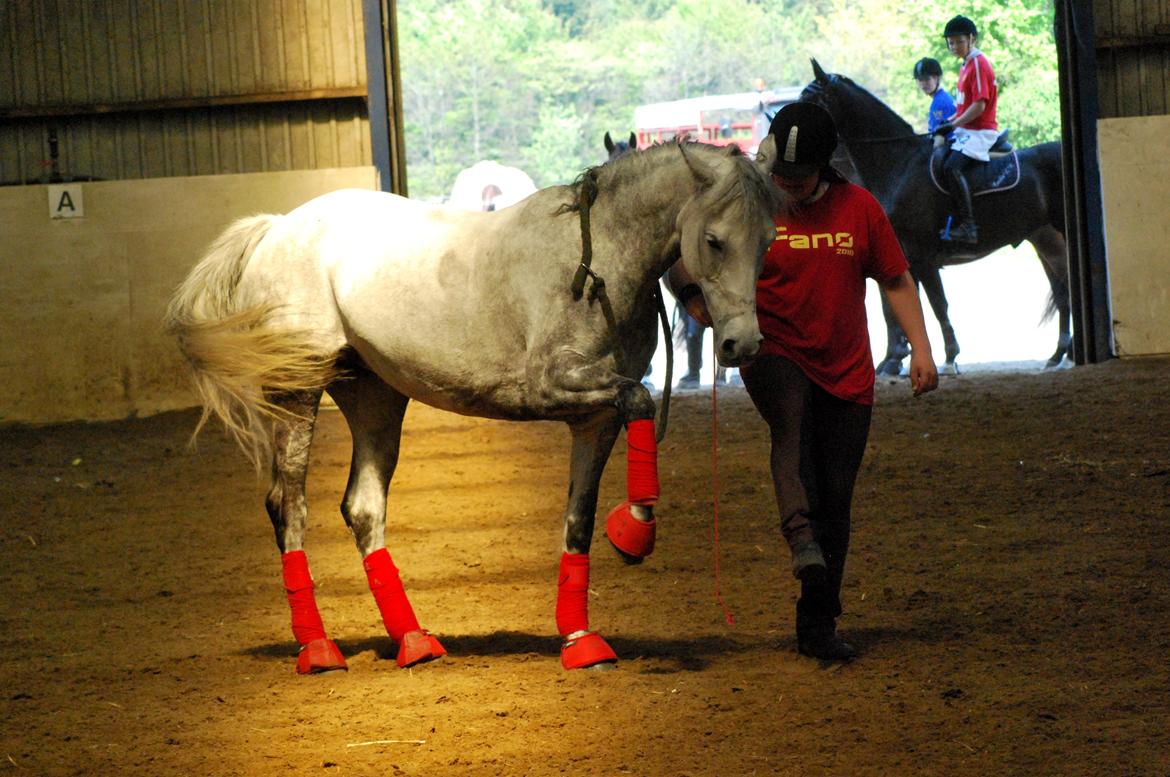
(977, 82)
(810, 298)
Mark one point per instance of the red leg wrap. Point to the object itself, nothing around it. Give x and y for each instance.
(414, 644)
(397, 614)
(318, 653)
(587, 649)
(573, 594)
(641, 462)
(298, 584)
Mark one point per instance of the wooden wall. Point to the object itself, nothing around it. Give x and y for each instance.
(1132, 41)
(151, 88)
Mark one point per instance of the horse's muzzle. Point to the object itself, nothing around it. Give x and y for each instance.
(736, 346)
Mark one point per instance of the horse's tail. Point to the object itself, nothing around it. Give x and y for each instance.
(238, 362)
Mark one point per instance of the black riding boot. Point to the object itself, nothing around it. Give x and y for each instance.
(965, 231)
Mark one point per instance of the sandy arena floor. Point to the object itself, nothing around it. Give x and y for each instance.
(1008, 587)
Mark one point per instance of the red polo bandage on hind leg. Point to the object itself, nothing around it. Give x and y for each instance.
(641, 462)
(573, 594)
(397, 614)
(298, 584)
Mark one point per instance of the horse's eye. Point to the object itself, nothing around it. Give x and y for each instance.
(715, 243)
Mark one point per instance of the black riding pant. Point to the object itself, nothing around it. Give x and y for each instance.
(818, 441)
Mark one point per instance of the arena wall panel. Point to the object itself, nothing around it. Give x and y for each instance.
(82, 299)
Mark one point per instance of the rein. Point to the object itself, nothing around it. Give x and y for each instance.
(585, 201)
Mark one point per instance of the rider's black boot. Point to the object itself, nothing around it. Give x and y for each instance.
(965, 231)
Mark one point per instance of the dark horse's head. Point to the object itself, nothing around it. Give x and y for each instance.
(858, 114)
(620, 147)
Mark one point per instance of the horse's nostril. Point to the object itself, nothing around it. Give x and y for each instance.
(728, 347)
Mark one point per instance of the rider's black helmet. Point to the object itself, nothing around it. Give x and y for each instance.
(960, 25)
(926, 67)
(805, 138)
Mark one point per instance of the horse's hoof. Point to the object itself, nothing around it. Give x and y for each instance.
(890, 367)
(633, 539)
(418, 646)
(588, 651)
(949, 368)
(320, 655)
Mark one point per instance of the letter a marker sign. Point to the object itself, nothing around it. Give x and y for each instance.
(65, 201)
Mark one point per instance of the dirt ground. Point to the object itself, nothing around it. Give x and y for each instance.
(1007, 587)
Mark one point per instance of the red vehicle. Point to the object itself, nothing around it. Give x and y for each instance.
(720, 120)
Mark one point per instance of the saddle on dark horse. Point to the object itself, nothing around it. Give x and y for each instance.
(999, 175)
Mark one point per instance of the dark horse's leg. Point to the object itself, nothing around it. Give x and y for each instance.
(288, 511)
(897, 346)
(374, 412)
(931, 281)
(1050, 247)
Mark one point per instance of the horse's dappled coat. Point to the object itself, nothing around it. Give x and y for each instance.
(380, 300)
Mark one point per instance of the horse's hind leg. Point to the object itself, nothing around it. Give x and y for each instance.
(374, 412)
(1050, 247)
(933, 286)
(593, 440)
(288, 511)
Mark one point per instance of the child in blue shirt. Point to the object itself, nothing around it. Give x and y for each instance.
(928, 74)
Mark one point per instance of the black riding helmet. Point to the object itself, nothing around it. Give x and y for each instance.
(960, 25)
(927, 67)
(805, 138)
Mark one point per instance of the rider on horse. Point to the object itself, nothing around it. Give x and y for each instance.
(928, 74)
(973, 125)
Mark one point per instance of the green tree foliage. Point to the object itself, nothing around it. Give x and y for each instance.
(537, 83)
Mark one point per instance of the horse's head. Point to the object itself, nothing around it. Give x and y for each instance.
(621, 147)
(724, 231)
(857, 112)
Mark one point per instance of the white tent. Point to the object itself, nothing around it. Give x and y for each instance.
(490, 185)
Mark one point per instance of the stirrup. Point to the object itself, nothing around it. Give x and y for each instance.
(585, 651)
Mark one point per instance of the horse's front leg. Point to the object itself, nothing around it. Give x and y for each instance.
(569, 380)
(593, 440)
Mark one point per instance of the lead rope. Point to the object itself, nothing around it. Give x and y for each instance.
(727, 616)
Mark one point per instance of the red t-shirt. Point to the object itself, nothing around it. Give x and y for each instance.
(810, 298)
(977, 82)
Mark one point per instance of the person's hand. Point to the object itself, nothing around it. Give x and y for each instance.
(923, 373)
(697, 309)
(944, 129)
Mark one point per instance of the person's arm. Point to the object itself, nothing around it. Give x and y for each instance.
(902, 295)
(973, 112)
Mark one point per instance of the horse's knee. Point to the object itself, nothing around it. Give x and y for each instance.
(634, 401)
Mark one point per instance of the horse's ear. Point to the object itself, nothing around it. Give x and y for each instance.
(699, 168)
(819, 72)
(608, 142)
(633, 142)
(766, 154)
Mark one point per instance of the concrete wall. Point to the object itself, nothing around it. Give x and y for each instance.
(82, 298)
(1135, 188)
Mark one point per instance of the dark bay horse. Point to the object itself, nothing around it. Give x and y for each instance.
(542, 310)
(893, 163)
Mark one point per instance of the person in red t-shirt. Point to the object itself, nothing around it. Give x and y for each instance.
(813, 379)
(974, 126)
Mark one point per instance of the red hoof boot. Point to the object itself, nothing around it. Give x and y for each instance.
(320, 655)
(629, 535)
(418, 646)
(585, 651)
